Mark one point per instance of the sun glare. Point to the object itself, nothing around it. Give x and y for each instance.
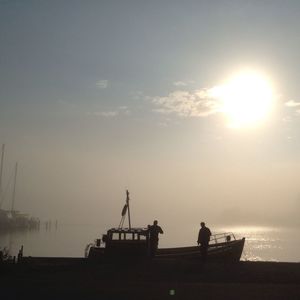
(246, 100)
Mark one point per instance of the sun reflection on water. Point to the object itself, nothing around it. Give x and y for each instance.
(265, 243)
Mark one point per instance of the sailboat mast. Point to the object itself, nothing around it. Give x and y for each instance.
(1, 172)
(1, 168)
(127, 202)
(14, 190)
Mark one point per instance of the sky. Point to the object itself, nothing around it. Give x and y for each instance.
(97, 97)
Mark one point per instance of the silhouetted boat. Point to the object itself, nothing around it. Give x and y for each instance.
(120, 243)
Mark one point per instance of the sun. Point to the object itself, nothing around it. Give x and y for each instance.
(246, 99)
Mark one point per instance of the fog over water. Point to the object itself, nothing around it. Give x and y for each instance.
(77, 189)
(262, 243)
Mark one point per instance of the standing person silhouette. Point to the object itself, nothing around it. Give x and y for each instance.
(154, 230)
(203, 240)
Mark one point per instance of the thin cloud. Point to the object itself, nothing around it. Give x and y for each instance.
(292, 103)
(124, 110)
(183, 83)
(197, 103)
(179, 83)
(106, 114)
(121, 110)
(102, 84)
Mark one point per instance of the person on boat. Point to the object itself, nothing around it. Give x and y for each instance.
(154, 230)
(203, 240)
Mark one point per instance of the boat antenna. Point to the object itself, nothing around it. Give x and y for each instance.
(125, 209)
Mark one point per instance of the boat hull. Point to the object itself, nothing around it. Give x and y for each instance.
(221, 252)
(227, 251)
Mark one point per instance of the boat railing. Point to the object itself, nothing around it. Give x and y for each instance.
(222, 237)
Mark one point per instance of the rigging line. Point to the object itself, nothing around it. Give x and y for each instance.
(121, 222)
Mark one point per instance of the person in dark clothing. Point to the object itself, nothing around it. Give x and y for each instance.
(154, 230)
(203, 240)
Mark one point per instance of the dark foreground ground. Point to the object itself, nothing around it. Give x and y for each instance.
(151, 280)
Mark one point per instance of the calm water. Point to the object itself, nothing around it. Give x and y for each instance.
(262, 243)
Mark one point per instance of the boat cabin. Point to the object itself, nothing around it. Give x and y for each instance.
(121, 242)
(126, 241)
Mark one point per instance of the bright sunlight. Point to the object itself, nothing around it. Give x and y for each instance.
(246, 99)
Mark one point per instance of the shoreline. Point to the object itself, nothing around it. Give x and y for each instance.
(152, 280)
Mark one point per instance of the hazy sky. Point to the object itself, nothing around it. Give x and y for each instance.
(100, 96)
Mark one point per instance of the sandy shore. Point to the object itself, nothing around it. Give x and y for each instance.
(151, 280)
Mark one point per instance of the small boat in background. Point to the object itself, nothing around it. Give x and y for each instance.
(121, 243)
(13, 219)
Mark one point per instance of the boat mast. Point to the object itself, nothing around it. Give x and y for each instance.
(125, 210)
(1, 171)
(127, 202)
(14, 190)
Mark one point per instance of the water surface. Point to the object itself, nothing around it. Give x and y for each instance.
(262, 243)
